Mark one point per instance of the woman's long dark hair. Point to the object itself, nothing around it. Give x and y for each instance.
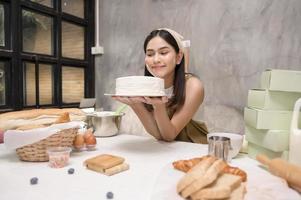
(178, 97)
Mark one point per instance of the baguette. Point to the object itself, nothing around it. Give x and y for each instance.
(209, 177)
(64, 118)
(29, 127)
(14, 120)
(30, 114)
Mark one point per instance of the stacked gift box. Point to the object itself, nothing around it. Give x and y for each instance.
(269, 112)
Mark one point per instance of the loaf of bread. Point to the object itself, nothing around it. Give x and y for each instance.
(36, 117)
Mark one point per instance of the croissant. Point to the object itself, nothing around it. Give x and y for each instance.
(236, 171)
(186, 165)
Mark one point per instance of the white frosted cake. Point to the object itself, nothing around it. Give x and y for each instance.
(139, 86)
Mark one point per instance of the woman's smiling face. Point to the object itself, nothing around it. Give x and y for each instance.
(161, 58)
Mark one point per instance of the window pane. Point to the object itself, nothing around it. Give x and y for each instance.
(37, 33)
(2, 84)
(29, 84)
(73, 84)
(73, 7)
(48, 3)
(45, 84)
(72, 41)
(2, 32)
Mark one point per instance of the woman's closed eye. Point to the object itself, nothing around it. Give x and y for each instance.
(150, 54)
(164, 52)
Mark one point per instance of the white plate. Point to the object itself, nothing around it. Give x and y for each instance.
(134, 95)
(105, 114)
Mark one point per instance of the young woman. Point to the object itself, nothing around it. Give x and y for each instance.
(169, 118)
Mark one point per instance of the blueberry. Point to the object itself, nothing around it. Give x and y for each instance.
(110, 195)
(70, 171)
(34, 181)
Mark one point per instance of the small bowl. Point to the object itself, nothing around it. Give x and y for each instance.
(236, 141)
(105, 123)
(58, 156)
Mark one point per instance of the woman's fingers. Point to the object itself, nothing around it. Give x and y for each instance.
(155, 100)
(124, 100)
(140, 99)
(164, 99)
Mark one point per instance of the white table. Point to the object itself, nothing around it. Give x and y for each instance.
(151, 175)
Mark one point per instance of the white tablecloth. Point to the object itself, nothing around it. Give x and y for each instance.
(151, 175)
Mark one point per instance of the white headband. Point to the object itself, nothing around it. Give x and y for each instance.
(179, 38)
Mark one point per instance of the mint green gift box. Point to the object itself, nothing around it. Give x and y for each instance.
(254, 150)
(268, 119)
(281, 80)
(272, 100)
(275, 140)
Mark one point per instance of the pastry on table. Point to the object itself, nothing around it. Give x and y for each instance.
(210, 178)
(186, 165)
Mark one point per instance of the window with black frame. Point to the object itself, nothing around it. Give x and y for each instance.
(45, 58)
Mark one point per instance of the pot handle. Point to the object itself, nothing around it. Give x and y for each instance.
(295, 117)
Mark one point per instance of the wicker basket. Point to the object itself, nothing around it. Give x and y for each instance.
(37, 152)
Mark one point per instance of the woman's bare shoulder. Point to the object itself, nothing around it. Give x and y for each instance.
(193, 84)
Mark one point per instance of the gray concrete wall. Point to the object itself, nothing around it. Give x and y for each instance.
(232, 43)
